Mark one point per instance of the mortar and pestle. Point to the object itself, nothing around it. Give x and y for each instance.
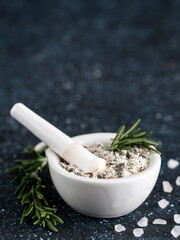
(102, 198)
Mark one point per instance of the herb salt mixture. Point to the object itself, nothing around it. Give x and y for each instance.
(123, 164)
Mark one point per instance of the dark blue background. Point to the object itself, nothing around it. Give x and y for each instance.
(90, 66)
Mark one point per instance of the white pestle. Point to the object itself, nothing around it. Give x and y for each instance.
(58, 141)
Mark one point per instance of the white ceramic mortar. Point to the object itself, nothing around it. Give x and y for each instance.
(103, 198)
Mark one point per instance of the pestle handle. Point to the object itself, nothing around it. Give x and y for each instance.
(58, 141)
(45, 131)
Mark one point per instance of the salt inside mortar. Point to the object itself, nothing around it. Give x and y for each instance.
(123, 164)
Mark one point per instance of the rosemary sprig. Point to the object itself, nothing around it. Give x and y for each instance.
(132, 137)
(28, 174)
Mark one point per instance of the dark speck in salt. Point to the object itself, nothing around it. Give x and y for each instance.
(119, 169)
(128, 155)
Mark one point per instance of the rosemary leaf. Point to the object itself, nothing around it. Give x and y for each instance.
(50, 225)
(28, 174)
(142, 134)
(132, 128)
(119, 134)
(132, 137)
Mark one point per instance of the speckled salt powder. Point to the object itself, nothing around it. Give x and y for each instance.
(176, 231)
(163, 203)
(143, 222)
(138, 232)
(178, 181)
(123, 164)
(119, 228)
(167, 187)
(172, 163)
(177, 218)
(159, 221)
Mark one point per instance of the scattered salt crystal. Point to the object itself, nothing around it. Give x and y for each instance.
(175, 231)
(172, 163)
(177, 218)
(178, 181)
(119, 228)
(143, 222)
(138, 232)
(163, 203)
(167, 186)
(159, 221)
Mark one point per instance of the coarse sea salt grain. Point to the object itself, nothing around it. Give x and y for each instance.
(172, 163)
(167, 187)
(163, 203)
(175, 231)
(119, 228)
(143, 222)
(138, 232)
(177, 218)
(159, 221)
(178, 181)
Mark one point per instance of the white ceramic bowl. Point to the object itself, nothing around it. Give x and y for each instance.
(103, 198)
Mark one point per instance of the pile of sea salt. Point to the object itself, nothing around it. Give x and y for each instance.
(119, 164)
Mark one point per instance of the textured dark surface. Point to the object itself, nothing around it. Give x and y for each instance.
(89, 66)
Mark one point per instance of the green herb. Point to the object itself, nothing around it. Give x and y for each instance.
(132, 137)
(29, 191)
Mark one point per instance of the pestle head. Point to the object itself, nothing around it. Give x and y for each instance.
(83, 159)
